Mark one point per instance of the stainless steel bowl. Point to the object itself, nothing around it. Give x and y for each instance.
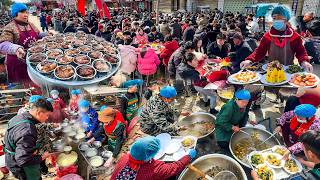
(91, 152)
(205, 163)
(236, 137)
(97, 144)
(198, 117)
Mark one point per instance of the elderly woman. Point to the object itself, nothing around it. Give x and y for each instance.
(281, 42)
(159, 116)
(139, 162)
(16, 38)
(296, 122)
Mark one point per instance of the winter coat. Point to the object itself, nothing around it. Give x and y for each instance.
(164, 29)
(188, 34)
(174, 61)
(214, 50)
(138, 39)
(129, 58)
(243, 51)
(186, 71)
(176, 30)
(148, 64)
(170, 47)
(158, 36)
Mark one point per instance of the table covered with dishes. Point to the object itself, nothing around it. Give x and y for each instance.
(72, 59)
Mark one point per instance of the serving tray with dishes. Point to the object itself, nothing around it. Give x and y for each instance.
(244, 77)
(72, 59)
(270, 165)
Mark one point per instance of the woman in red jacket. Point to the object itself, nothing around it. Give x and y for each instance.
(140, 165)
(281, 43)
(170, 45)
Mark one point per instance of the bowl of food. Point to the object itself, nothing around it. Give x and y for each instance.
(241, 145)
(90, 152)
(66, 45)
(86, 72)
(106, 154)
(265, 173)
(97, 144)
(67, 149)
(84, 146)
(64, 59)
(53, 53)
(66, 160)
(111, 59)
(37, 57)
(281, 150)
(85, 49)
(189, 142)
(96, 161)
(292, 166)
(52, 45)
(72, 52)
(80, 34)
(101, 66)
(95, 54)
(98, 47)
(212, 164)
(256, 158)
(46, 67)
(78, 43)
(36, 49)
(82, 59)
(198, 124)
(294, 69)
(49, 38)
(274, 160)
(64, 72)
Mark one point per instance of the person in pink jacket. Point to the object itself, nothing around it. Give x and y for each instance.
(141, 38)
(148, 61)
(128, 57)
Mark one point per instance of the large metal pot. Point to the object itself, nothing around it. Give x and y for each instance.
(236, 137)
(206, 162)
(196, 118)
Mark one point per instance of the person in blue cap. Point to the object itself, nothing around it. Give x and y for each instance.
(75, 97)
(32, 99)
(232, 116)
(281, 43)
(294, 123)
(159, 116)
(139, 163)
(16, 38)
(89, 118)
(131, 100)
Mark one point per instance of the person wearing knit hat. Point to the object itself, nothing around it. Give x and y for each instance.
(232, 116)
(129, 103)
(141, 165)
(281, 42)
(89, 117)
(58, 114)
(17, 36)
(73, 102)
(114, 127)
(159, 116)
(294, 123)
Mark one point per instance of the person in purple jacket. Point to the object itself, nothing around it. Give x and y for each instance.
(16, 38)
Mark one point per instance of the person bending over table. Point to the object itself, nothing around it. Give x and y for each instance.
(88, 117)
(303, 96)
(281, 43)
(232, 116)
(311, 148)
(294, 123)
(113, 126)
(159, 115)
(139, 163)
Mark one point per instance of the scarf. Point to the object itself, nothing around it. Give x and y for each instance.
(130, 171)
(299, 128)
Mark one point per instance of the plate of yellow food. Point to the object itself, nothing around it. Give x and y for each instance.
(281, 150)
(244, 77)
(189, 142)
(265, 173)
(274, 160)
(256, 158)
(275, 74)
(292, 166)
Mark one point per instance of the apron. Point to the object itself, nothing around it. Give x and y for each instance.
(284, 54)
(17, 69)
(110, 133)
(58, 115)
(132, 108)
(31, 172)
(293, 129)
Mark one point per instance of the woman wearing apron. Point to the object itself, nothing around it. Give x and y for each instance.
(15, 40)
(294, 123)
(281, 43)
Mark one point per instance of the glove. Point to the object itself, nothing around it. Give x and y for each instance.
(192, 153)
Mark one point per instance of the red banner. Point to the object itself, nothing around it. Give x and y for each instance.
(81, 7)
(99, 6)
(106, 11)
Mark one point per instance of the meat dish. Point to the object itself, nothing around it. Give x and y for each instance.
(52, 54)
(52, 45)
(101, 66)
(36, 58)
(46, 66)
(85, 49)
(95, 55)
(110, 59)
(36, 49)
(86, 71)
(72, 52)
(83, 59)
(304, 79)
(64, 72)
(64, 59)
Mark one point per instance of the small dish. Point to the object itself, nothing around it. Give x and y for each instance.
(96, 161)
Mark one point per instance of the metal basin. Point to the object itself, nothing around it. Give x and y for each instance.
(205, 163)
(196, 118)
(236, 137)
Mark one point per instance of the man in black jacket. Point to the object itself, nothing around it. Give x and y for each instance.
(219, 49)
(243, 50)
(155, 36)
(20, 142)
(176, 29)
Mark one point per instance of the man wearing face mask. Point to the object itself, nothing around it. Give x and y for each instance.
(89, 117)
(159, 116)
(294, 123)
(281, 43)
(232, 116)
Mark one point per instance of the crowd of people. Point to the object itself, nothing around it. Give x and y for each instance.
(187, 39)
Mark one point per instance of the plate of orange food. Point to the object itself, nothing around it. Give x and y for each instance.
(303, 79)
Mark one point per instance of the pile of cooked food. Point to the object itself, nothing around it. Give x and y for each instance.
(265, 173)
(257, 159)
(273, 160)
(187, 142)
(304, 80)
(294, 69)
(245, 76)
(275, 72)
(197, 129)
(60, 55)
(255, 67)
(291, 166)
